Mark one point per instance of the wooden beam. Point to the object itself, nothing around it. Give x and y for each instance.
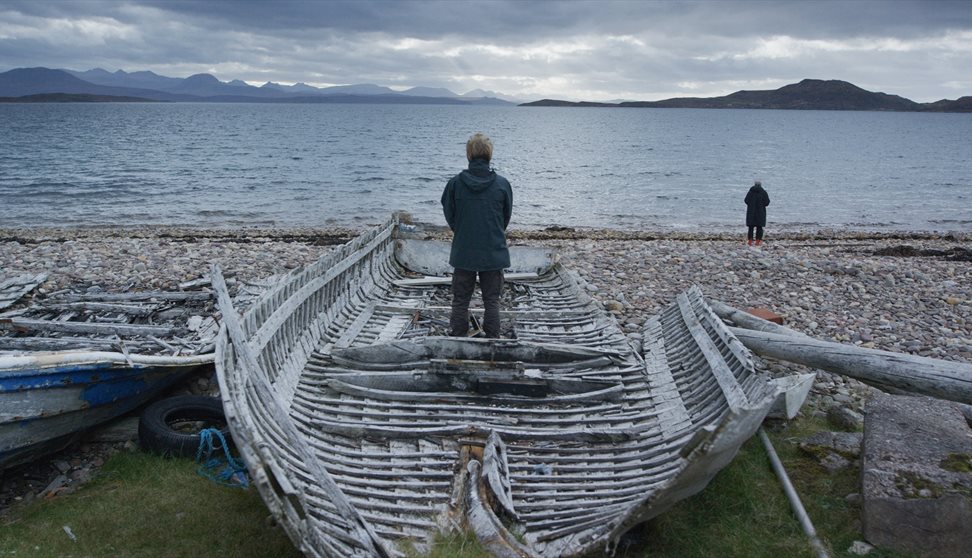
(748, 321)
(24, 324)
(126, 309)
(431, 280)
(944, 379)
(138, 296)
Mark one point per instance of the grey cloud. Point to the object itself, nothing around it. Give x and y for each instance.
(483, 19)
(702, 42)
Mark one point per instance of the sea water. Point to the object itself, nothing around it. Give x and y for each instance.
(227, 165)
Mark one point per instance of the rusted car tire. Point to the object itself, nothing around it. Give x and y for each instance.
(171, 426)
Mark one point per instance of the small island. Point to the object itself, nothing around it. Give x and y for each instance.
(809, 94)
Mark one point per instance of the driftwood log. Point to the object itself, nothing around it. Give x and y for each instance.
(943, 379)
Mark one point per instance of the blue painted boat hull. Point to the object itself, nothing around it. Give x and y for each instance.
(44, 407)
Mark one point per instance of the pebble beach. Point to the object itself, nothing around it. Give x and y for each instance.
(902, 292)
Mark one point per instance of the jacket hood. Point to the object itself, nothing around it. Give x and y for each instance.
(478, 176)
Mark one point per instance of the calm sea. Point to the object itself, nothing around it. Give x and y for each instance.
(321, 165)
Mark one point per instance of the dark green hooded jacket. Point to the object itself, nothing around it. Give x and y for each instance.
(477, 204)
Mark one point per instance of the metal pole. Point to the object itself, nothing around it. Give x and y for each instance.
(794, 498)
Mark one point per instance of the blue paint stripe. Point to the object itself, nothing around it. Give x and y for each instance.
(82, 374)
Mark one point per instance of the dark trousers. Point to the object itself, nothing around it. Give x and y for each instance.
(463, 285)
(759, 233)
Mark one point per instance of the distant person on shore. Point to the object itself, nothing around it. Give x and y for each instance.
(756, 201)
(477, 204)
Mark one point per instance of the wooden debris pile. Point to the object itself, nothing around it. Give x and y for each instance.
(170, 323)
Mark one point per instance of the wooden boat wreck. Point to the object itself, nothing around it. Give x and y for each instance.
(367, 431)
(70, 361)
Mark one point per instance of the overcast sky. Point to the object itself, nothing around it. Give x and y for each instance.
(601, 50)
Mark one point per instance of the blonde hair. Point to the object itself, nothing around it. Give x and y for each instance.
(479, 146)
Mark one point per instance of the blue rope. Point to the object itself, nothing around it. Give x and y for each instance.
(221, 470)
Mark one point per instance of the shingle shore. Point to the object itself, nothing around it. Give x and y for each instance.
(827, 284)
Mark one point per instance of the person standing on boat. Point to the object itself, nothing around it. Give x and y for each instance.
(477, 204)
(756, 201)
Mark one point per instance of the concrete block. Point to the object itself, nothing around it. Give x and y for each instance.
(916, 476)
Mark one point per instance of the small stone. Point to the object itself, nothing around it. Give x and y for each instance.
(613, 306)
(844, 418)
(860, 548)
(834, 463)
(847, 444)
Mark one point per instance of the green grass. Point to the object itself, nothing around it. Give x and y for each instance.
(144, 506)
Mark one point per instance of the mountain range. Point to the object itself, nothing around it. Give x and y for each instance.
(47, 85)
(809, 94)
(37, 84)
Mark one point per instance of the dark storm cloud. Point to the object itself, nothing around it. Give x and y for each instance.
(574, 49)
(813, 19)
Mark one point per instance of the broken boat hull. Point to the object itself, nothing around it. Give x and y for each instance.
(367, 432)
(48, 399)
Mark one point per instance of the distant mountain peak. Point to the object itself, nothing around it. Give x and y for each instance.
(428, 92)
(202, 79)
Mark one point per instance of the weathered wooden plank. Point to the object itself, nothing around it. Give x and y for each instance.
(943, 379)
(746, 320)
(13, 288)
(604, 394)
(128, 309)
(431, 281)
(361, 429)
(140, 296)
(355, 327)
(504, 313)
(26, 324)
(61, 343)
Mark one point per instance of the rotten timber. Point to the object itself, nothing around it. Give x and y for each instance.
(367, 430)
(13, 288)
(173, 323)
(944, 379)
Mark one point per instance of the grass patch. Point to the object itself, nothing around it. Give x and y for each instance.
(453, 545)
(144, 506)
(744, 512)
(141, 505)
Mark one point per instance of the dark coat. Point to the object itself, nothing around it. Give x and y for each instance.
(756, 201)
(478, 204)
